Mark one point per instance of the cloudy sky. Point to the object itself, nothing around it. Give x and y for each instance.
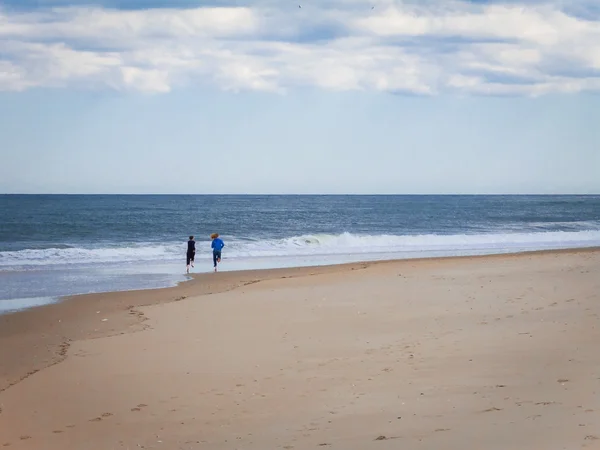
(340, 96)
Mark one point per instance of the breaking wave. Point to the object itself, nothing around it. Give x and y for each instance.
(305, 245)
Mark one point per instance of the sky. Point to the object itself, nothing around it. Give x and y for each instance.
(328, 96)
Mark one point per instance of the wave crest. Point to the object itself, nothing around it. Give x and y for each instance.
(306, 245)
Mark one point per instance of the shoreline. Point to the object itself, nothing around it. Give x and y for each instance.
(34, 339)
(57, 299)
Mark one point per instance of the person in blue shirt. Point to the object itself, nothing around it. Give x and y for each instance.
(216, 245)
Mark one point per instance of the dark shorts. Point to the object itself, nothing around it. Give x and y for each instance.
(190, 257)
(216, 255)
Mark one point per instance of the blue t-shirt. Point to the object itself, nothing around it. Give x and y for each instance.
(217, 244)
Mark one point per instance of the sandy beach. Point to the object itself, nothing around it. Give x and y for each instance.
(496, 352)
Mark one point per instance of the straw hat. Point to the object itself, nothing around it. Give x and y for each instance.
(214, 235)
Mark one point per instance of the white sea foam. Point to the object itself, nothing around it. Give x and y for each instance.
(308, 245)
(67, 256)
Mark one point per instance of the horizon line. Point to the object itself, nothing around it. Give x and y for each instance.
(302, 194)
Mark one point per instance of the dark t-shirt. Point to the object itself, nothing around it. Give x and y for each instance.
(191, 247)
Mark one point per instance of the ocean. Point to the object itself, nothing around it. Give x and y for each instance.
(57, 245)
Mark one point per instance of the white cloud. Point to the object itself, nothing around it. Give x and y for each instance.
(12, 78)
(146, 80)
(426, 49)
(96, 24)
(543, 25)
(57, 64)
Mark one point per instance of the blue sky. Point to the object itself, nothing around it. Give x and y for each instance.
(185, 96)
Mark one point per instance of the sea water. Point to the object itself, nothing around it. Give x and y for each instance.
(57, 245)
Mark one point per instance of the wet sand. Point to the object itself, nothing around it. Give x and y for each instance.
(496, 352)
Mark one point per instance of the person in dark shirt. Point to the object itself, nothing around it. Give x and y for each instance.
(191, 253)
(216, 245)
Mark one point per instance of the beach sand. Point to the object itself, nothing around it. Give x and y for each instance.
(496, 352)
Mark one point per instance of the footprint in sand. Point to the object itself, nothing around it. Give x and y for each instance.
(58, 431)
(523, 402)
(492, 409)
(98, 419)
(24, 438)
(139, 407)
(386, 438)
